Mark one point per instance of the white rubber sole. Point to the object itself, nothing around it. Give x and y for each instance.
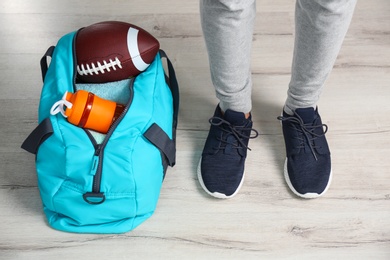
(216, 194)
(309, 195)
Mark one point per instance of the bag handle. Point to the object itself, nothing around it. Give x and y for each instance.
(44, 65)
(174, 86)
(43, 131)
(161, 140)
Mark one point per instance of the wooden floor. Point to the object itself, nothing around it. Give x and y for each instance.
(265, 220)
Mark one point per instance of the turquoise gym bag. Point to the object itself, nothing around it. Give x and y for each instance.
(95, 183)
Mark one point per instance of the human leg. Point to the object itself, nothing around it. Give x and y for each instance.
(228, 27)
(320, 29)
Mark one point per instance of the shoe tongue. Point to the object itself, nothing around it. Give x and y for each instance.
(307, 114)
(235, 118)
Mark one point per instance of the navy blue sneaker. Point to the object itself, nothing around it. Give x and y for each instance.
(221, 167)
(307, 168)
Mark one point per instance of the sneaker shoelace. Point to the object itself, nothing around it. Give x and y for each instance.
(305, 130)
(232, 130)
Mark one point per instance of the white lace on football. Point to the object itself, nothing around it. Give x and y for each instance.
(99, 68)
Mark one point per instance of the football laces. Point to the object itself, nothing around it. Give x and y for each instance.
(99, 67)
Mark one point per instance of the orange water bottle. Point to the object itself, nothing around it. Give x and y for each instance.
(87, 110)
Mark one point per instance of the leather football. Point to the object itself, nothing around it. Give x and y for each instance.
(112, 51)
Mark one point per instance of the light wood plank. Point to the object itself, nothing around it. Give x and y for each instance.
(265, 220)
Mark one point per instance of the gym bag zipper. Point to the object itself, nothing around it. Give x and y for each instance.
(96, 196)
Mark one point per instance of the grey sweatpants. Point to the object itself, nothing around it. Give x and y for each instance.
(320, 27)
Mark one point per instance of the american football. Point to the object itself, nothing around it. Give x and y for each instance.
(111, 51)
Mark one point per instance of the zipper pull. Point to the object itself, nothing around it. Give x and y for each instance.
(95, 160)
(98, 149)
(95, 163)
